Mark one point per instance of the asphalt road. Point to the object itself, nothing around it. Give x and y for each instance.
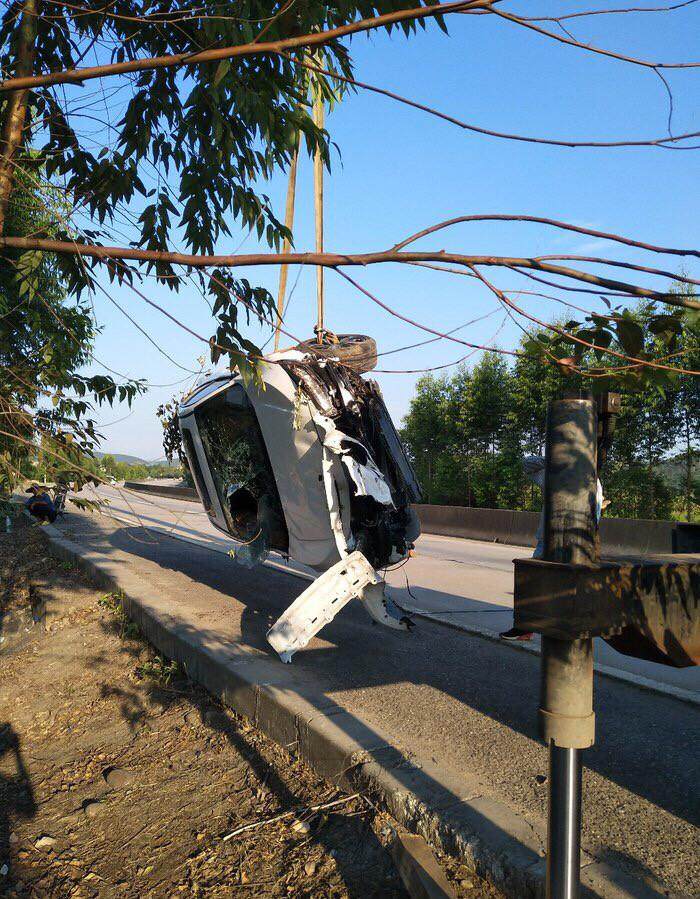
(466, 703)
(466, 584)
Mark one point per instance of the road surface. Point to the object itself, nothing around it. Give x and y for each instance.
(466, 584)
(466, 703)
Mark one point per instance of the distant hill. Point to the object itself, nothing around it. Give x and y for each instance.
(133, 460)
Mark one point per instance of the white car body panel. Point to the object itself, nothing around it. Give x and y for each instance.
(273, 450)
(297, 456)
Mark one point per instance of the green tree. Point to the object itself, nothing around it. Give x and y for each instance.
(487, 403)
(426, 430)
(650, 422)
(484, 399)
(535, 383)
(688, 411)
(45, 427)
(493, 414)
(188, 151)
(108, 464)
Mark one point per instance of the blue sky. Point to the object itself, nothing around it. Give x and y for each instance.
(401, 170)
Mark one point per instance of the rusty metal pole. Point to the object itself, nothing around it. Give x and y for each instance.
(567, 721)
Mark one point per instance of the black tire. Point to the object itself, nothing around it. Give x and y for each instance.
(357, 351)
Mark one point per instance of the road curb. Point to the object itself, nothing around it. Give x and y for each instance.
(454, 815)
(628, 677)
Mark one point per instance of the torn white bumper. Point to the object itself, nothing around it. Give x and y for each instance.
(351, 578)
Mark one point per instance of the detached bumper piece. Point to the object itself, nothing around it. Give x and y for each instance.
(351, 578)
(647, 609)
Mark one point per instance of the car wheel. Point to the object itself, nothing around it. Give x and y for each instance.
(357, 351)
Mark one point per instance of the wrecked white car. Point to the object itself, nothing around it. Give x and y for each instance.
(308, 465)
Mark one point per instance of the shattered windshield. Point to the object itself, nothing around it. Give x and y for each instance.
(241, 470)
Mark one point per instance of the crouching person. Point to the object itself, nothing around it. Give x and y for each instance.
(41, 505)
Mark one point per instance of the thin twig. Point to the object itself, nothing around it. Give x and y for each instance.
(311, 808)
(662, 142)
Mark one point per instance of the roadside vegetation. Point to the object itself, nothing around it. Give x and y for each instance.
(108, 466)
(467, 433)
(121, 778)
(47, 329)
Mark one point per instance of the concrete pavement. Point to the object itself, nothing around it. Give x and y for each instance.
(452, 702)
(467, 584)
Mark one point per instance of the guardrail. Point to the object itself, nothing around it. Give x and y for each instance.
(617, 535)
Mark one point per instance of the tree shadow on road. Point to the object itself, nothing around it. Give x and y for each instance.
(487, 677)
(16, 793)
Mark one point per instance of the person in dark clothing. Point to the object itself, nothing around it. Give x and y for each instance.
(40, 505)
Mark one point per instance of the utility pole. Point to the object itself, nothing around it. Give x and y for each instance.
(567, 720)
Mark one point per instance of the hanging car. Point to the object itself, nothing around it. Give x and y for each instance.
(306, 462)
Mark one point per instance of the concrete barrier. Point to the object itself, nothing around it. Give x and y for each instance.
(189, 494)
(617, 535)
(492, 525)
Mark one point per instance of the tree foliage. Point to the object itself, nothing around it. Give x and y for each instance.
(468, 434)
(185, 156)
(190, 148)
(45, 427)
(122, 470)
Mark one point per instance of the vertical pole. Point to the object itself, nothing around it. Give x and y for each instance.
(567, 721)
(318, 208)
(564, 836)
(289, 223)
(15, 109)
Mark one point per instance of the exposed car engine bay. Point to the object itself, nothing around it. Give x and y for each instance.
(357, 427)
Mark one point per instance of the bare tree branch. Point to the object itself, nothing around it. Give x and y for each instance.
(539, 220)
(443, 335)
(564, 333)
(608, 12)
(591, 48)
(316, 39)
(333, 260)
(662, 142)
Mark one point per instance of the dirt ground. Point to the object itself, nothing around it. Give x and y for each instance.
(119, 777)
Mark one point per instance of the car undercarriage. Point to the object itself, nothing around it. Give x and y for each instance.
(305, 462)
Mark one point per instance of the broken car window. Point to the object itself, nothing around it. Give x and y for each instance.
(241, 470)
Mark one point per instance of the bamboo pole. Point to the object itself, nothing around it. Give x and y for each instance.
(286, 246)
(319, 119)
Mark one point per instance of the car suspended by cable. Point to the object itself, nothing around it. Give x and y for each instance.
(305, 461)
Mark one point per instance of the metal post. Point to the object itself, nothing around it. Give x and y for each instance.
(564, 837)
(567, 721)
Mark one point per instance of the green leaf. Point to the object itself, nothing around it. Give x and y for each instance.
(631, 336)
(221, 70)
(661, 324)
